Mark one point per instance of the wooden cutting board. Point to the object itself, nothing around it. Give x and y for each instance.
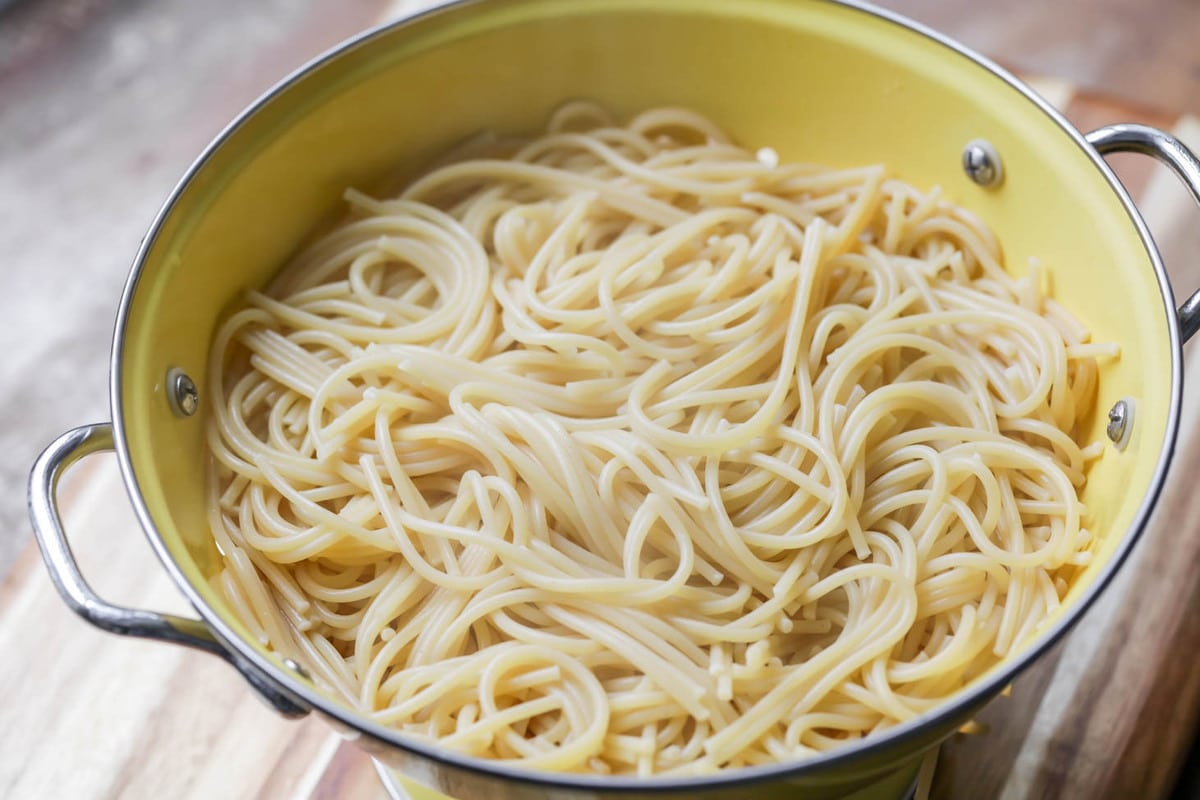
(1109, 713)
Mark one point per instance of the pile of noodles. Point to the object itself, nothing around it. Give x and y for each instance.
(626, 450)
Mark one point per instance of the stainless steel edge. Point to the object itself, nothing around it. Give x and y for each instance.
(65, 451)
(1135, 138)
(56, 459)
(594, 786)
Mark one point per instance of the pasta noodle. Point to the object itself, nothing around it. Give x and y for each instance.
(623, 449)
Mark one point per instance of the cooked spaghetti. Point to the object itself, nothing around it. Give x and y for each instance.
(626, 450)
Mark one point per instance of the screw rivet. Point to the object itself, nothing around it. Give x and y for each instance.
(1120, 422)
(982, 163)
(182, 393)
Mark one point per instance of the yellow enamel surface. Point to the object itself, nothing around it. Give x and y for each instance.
(418, 792)
(816, 81)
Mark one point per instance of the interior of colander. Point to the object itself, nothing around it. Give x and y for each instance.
(816, 81)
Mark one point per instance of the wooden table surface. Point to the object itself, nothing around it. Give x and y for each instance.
(102, 105)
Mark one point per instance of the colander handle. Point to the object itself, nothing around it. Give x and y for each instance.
(1134, 138)
(55, 460)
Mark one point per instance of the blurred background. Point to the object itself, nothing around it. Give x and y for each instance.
(105, 103)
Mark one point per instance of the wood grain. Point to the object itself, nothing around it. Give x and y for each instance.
(103, 105)
(90, 715)
(1140, 50)
(1111, 711)
(1108, 713)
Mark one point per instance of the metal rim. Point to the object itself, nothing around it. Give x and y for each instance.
(877, 743)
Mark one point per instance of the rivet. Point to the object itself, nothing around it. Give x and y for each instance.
(982, 163)
(296, 668)
(182, 393)
(1120, 422)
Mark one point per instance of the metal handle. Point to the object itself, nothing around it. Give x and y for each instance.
(56, 459)
(1133, 138)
